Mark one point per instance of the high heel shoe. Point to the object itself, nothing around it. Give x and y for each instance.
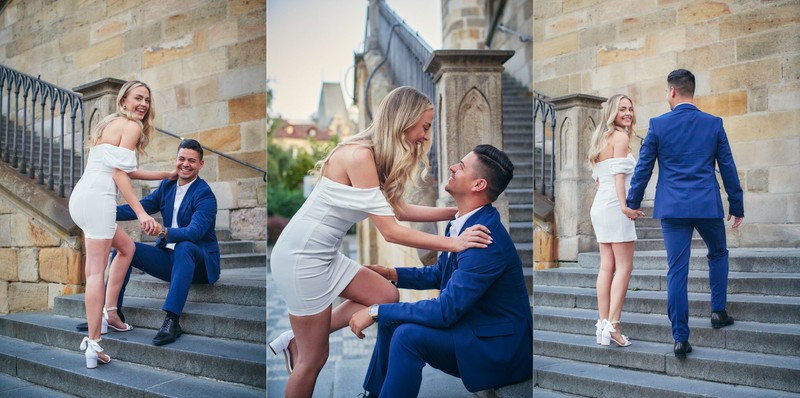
(600, 325)
(92, 348)
(106, 325)
(282, 344)
(607, 338)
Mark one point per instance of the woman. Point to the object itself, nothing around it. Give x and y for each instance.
(93, 206)
(612, 162)
(364, 176)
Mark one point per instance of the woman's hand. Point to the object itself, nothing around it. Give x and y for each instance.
(149, 225)
(474, 236)
(387, 272)
(172, 175)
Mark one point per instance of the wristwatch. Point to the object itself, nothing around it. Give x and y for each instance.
(373, 312)
(163, 233)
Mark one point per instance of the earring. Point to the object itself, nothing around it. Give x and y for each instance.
(124, 108)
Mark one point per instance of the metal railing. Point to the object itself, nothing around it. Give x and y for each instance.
(544, 111)
(232, 159)
(23, 146)
(406, 53)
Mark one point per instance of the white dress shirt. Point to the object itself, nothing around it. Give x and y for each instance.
(458, 223)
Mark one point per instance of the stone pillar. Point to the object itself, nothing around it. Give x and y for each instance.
(469, 108)
(99, 101)
(577, 116)
(464, 24)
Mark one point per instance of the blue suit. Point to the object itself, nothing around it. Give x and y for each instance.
(479, 328)
(688, 144)
(196, 255)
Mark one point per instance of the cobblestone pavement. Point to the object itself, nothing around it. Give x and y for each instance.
(343, 344)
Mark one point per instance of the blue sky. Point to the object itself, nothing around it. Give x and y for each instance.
(311, 41)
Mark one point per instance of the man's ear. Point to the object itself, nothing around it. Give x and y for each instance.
(480, 185)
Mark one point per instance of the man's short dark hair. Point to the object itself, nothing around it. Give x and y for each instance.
(189, 143)
(495, 167)
(683, 81)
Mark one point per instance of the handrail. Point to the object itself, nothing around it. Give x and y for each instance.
(218, 153)
(20, 139)
(546, 110)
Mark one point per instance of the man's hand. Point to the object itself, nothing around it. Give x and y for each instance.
(633, 214)
(737, 221)
(387, 272)
(360, 321)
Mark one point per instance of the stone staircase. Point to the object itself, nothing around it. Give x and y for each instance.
(222, 352)
(757, 356)
(518, 145)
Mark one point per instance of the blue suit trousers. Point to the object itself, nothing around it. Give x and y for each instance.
(401, 351)
(678, 239)
(180, 267)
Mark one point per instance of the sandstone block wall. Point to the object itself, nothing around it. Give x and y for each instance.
(745, 56)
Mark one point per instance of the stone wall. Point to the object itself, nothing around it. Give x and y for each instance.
(205, 61)
(466, 24)
(745, 56)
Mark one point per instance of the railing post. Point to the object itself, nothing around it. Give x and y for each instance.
(469, 108)
(577, 116)
(99, 100)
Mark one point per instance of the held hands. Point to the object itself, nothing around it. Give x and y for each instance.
(737, 221)
(474, 236)
(149, 225)
(360, 321)
(631, 213)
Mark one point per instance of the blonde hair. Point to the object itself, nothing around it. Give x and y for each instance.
(397, 160)
(146, 124)
(607, 127)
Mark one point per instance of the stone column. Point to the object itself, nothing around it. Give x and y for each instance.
(577, 115)
(99, 101)
(464, 24)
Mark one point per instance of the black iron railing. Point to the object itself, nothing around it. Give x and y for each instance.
(406, 53)
(31, 150)
(544, 112)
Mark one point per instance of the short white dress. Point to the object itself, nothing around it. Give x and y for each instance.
(610, 224)
(307, 266)
(93, 201)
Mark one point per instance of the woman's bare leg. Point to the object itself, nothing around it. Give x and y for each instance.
(604, 278)
(311, 345)
(623, 258)
(97, 251)
(366, 288)
(125, 247)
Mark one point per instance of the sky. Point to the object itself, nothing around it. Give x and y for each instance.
(311, 41)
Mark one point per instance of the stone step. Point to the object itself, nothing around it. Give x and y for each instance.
(539, 392)
(519, 195)
(15, 387)
(517, 116)
(525, 252)
(65, 370)
(518, 125)
(520, 212)
(520, 144)
(231, 321)
(658, 244)
(349, 377)
(211, 357)
(711, 364)
(739, 260)
(521, 231)
(764, 338)
(242, 286)
(521, 181)
(518, 156)
(243, 260)
(652, 233)
(769, 309)
(763, 283)
(595, 380)
(240, 246)
(524, 168)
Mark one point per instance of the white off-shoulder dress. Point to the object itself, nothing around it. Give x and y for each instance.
(610, 224)
(93, 201)
(307, 266)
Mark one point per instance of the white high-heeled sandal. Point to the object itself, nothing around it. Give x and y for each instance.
(600, 325)
(92, 348)
(106, 325)
(607, 338)
(281, 344)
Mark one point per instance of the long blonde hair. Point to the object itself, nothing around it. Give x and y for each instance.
(146, 124)
(397, 160)
(607, 127)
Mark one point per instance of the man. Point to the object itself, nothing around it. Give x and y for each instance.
(186, 251)
(688, 144)
(480, 327)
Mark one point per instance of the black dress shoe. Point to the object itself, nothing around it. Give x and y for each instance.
(169, 332)
(682, 348)
(720, 319)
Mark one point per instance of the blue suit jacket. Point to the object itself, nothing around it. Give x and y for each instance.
(688, 144)
(197, 218)
(483, 301)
